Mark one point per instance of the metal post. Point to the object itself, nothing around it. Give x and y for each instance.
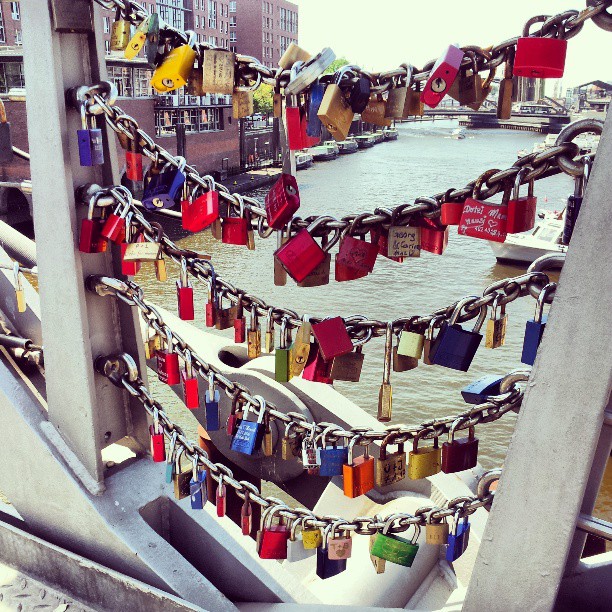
(181, 140)
(87, 411)
(523, 554)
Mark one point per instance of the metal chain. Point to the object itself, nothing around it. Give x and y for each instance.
(461, 506)
(130, 293)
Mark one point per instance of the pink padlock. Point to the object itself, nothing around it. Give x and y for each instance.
(442, 76)
(282, 201)
(333, 338)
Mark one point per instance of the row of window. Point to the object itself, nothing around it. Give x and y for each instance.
(196, 120)
(11, 75)
(16, 15)
(283, 24)
(131, 82)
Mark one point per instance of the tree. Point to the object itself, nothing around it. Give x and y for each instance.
(262, 99)
(337, 64)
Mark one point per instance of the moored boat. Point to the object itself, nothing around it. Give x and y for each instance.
(303, 160)
(323, 152)
(365, 141)
(379, 136)
(348, 146)
(390, 133)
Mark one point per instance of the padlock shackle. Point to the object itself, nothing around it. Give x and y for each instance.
(524, 171)
(262, 408)
(539, 310)
(481, 180)
(455, 424)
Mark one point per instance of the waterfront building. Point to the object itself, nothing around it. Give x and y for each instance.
(594, 95)
(528, 90)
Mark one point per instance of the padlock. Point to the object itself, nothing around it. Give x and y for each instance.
(272, 538)
(454, 346)
(506, 88)
(434, 235)
(339, 546)
(396, 97)
(332, 337)
(293, 54)
(246, 515)
(151, 344)
(134, 178)
(390, 467)
(320, 274)
(380, 236)
(413, 105)
(267, 445)
(315, 97)
(380, 565)
(211, 403)
(335, 111)
(411, 344)
(158, 445)
(480, 390)
(393, 548)
(217, 71)
(310, 456)
(312, 538)
(242, 102)
(467, 86)
(309, 71)
(249, 435)
(301, 254)
(358, 473)
(175, 69)
(91, 151)
(301, 347)
(331, 457)
(221, 497)
(296, 551)
(496, 326)
(359, 94)
(181, 477)
(574, 203)
(402, 240)
(316, 368)
(235, 415)
(235, 230)
(224, 317)
(6, 145)
(90, 238)
(171, 456)
(534, 328)
(191, 390)
(436, 533)
(282, 201)
(385, 394)
(539, 57)
(280, 275)
(348, 367)
(240, 321)
(164, 187)
(450, 211)
(482, 220)
(120, 32)
(442, 76)
(293, 125)
(114, 226)
(483, 90)
(326, 567)
(137, 42)
(152, 44)
(254, 335)
(282, 356)
(356, 254)
(270, 333)
(374, 112)
(424, 462)
(290, 444)
(197, 486)
(459, 454)
(402, 363)
(199, 211)
(521, 212)
(458, 539)
(151, 250)
(184, 294)
(168, 362)
(429, 341)
(19, 293)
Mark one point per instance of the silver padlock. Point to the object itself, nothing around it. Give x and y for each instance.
(308, 72)
(295, 545)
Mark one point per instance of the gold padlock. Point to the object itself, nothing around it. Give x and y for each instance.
(375, 111)
(152, 345)
(301, 347)
(181, 477)
(291, 55)
(311, 537)
(218, 71)
(411, 344)
(468, 83)
(290, 444)
(385, 394)
(242, 102)
(496, 325)
(19, 293)
(423, 462)
(254, 335)
(506, 88)
(176, 68)
(436, 533)
(429, 339)
(335, 111)
(484, 91)
(120, 32)
(390, 467)
(413, 106)
(137, 41)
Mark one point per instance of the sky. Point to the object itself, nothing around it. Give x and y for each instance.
(381, 34)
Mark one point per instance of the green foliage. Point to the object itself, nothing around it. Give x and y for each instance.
(262, 99)
(337, 64)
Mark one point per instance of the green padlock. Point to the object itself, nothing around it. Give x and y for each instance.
(393, 548)
(283, 357)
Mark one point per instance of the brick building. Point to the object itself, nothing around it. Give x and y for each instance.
(262, 28)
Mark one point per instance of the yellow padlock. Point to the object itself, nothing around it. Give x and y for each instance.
(335, 111)
(138, 40)
(176, 68)
(311, 537)
(423, 462)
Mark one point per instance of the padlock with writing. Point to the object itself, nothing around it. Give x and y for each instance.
(358, 472)
(335, 111)
(182, 476)
(310, 457)
(168, 362)
(158, 445)
(242, 102)
(534, 328)
(90, 238)
(402, 239)
(272, 538)
(455, 347)
(458, 539)
(459, 454)
(218, 71)
(385, 394)
(120, 32)
(496, 326)
(339, 546)
(354, 254)
(521, 212)
(254, 335)
(480, 390)
(331, 457)
(176, 67)
(348, 367)
(424, 461)
(250, 434)
(211, 404)
(442, 76)
(282, 201)
(436, 531)
(319, 276)
(380, 236)
(390, 467)
(184, 294)
(326, 567)
(539, 57)
(197, 485)
(282, 356)
(191, 390)
(394, 548)
(240, 321)
(164, 187)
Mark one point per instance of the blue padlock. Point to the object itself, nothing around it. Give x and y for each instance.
(455, 347)
(313, 126)
(458, 540)
(211, 401)
(197, 486)
(480, 390)
(249, 434)
(326, 567)
(91, 151)
(534, 329)
(331, 458)
(162, 189)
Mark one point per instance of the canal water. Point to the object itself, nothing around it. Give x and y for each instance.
(423, 161)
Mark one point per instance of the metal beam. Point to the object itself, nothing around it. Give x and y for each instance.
(87, 411)
(533, 521)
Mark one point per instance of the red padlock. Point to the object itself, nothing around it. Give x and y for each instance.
(450, 212)
(130, 268)
(114, 228)
(442, 76)
(294, 128)
(343, 272)
(221, 497)
(380, 236)
(246, 515)
(307, 141)
(434, 236)
(200, 212)
(158, 446)
(301, 254)
(333, 338)
(272, 539)
(356, 254)
(282, 201)
(191, 389)
(168, 363)
(521, 210)
(90, 238)
(235, 230)
(184, 294)
(316, 368)
(459, 454)
(537, 57)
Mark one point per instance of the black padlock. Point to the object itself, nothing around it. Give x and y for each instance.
(360, 94)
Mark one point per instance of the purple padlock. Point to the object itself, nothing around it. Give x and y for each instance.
(162, 189)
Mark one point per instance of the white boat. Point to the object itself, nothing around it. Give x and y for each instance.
(365, 141)
(303, 160)
(323, 152)
(525, 248)
(587, 143)
(458, 133)
(379, 136)
(390, 133)
(333, 145)
(348, 146)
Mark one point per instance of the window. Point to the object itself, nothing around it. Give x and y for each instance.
(233, 47)
(233, 21)
(106, 25)
(232, 36)
(2, 35)
(200, 119)
(142, 82)
(17, 37)
(232, 7)
(107, 47)
(11, 75)
(172, 11)
(212, 14)
(15, 11)
(122, 77)
(197, 21)
(196, 5)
